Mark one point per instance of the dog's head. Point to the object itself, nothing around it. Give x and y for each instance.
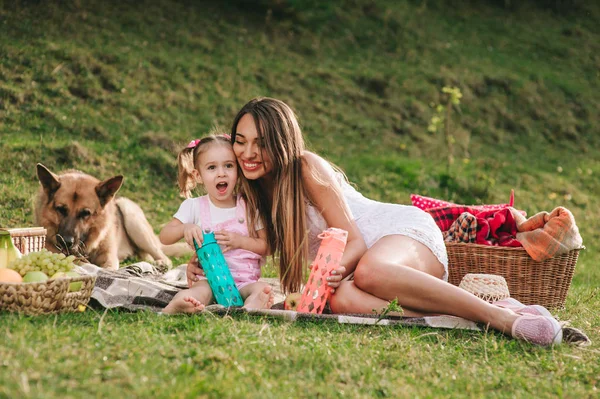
(73, 207)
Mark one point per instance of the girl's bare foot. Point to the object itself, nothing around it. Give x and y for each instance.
(262, 299)
(184, 305)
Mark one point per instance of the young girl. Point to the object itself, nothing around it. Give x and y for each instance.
(210, 161)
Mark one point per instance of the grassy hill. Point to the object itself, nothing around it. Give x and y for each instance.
(118, 87)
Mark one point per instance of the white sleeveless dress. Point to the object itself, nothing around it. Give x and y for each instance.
(377, 219)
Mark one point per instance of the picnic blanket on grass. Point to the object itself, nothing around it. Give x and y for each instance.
(141, 286)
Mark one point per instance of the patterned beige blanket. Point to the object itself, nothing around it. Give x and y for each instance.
(141, 286)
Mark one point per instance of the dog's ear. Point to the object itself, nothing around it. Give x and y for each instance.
(108, 188)
(48, 179)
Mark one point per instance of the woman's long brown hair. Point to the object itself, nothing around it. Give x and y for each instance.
(282, 212)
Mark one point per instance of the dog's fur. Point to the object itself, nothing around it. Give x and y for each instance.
(82, 217)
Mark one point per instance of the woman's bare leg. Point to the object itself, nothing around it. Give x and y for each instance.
(350, 299)
(400, 267)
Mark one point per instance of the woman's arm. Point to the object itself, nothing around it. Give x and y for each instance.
(326, 195)
(233, 241)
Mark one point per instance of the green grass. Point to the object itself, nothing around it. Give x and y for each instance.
(118, 87)
(145, 355)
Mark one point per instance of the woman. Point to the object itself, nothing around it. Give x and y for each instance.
(393, 251)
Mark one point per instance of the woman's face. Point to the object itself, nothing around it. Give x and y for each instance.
(249, 150)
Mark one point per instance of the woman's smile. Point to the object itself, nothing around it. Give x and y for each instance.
(249, 151)
(250, 166)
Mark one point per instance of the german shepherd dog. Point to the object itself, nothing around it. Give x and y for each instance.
(82, 217)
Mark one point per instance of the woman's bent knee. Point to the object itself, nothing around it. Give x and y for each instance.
(363, 276)
(381, 263)
(371, 273)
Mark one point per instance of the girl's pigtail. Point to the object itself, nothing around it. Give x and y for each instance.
(185, 169)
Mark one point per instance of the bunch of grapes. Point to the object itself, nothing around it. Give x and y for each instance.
(43, 261)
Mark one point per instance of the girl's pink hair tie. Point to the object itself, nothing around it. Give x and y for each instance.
(193, 143)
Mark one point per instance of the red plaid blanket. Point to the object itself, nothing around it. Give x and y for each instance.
(485, 228)
(481, 224)
(444, 217)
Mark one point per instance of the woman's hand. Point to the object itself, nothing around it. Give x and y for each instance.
(335, 279)
(192, 232)
(228, 240)
(193, 271)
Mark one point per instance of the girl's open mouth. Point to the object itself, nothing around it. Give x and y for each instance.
(222, 187)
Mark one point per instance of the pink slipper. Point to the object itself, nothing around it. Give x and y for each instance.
(539, 330)
(519, 308)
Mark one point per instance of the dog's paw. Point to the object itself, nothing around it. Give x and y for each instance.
(163, 264)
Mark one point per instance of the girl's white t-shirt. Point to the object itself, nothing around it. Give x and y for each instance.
(189, 212)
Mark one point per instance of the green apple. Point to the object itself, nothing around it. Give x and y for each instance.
(35, 277)
(76, 286)
(58, 275)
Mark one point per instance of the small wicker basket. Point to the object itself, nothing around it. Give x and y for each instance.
(51, 296)
(30, 239)
(544, 283)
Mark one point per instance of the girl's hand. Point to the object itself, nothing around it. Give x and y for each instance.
(192, 232)
(228, 240)
(335, 279)
(193, 271)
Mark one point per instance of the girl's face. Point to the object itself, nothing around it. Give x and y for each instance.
(217, 170)
(249, 150)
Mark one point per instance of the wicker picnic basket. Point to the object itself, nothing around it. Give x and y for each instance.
(50, 296)
(544, 283)
(30, 239)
